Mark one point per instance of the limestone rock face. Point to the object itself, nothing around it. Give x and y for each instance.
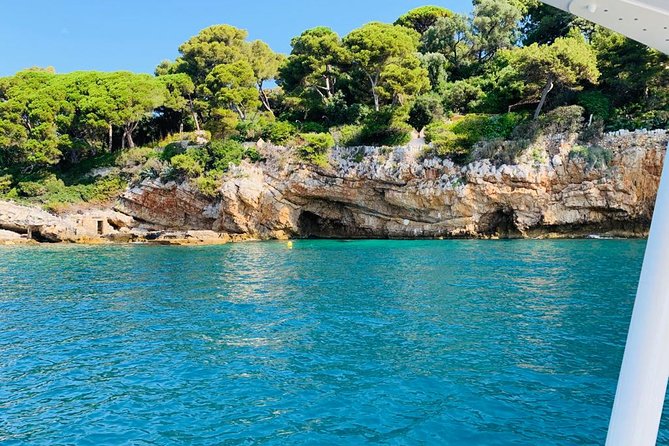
(395, 193)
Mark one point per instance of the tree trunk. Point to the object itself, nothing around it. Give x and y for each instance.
(547, 89)
(131, 143)
(127, 136)
(192, 110)
(110, 135)
(263, 97)
(240, 112)
(374, 82)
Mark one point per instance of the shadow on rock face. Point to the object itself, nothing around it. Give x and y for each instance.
(500, 223)
(311, 225)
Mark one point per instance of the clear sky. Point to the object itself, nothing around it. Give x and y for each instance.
(136, 35)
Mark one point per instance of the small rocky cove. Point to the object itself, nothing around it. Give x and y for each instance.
(369, 192)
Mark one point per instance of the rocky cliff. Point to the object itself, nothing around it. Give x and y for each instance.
(558, 189)
(555, 189)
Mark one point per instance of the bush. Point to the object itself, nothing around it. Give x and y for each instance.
(474, 128)
(463, 95)
(186, 165)
(567, 119)
(426, 109)
(445, 142)
(279, 132)
(314, 146)
(152, 168)
(136, 157)
(104, 189)
(187, 137)
(385, 128)
(594, 156)
(457, 139)
(225, 152)
(171, 150)
(650, 120)
(31, 189)
(5, 183)
(313, 127)
(595, 103)
(223, 123)
(208, 185)
(347, 135)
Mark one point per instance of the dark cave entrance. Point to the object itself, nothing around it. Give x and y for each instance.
(500, 223)
(311, 225)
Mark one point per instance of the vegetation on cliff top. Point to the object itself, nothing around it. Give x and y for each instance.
(511, 69)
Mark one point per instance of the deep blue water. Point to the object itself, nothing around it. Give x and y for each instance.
(331, 342)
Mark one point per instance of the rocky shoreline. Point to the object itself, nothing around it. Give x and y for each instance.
(553, 190)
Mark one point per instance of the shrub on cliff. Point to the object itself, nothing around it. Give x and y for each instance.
(594, 156)
(279, 132)
(137, 156)
(385, 128)
(208, 184)
(560, 120)
(186, 165)
(347, 135)
(31, 189)
(445, 142)
(456, 139)
(224, 152)
(6, 182)
(314, 147)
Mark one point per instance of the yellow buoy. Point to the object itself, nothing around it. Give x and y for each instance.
(289, 245)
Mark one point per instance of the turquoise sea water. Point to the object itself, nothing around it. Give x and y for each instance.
(331, 342)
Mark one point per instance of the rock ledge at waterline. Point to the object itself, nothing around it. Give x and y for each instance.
(380, 193)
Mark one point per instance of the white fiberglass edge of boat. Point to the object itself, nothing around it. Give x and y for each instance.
(642, 385)
(646, 21)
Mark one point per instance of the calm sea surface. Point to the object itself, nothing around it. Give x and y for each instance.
(330, 342)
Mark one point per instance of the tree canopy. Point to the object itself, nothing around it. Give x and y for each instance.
(369, 86)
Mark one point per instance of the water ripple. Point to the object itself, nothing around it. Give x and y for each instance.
(444, 342)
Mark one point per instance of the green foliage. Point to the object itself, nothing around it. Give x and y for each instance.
(445, 142)
(52, 191)
(187, 165)
(347, 135)
(384, 56)
(31, 189)
(384, 128)
(225, 152)
(457, 139)
(562, 120)
(232, 86)
(6, 182)
(422, 18)
(567, 63)
(594, 156)
(216, 156)
(463, 96)
(279, 132)
(451, 37)
(424, 110)
(136, 157)
(494, 26)
(314, 147)
(171, 150)
(313, 69)
(595, 103)
(208, 185)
